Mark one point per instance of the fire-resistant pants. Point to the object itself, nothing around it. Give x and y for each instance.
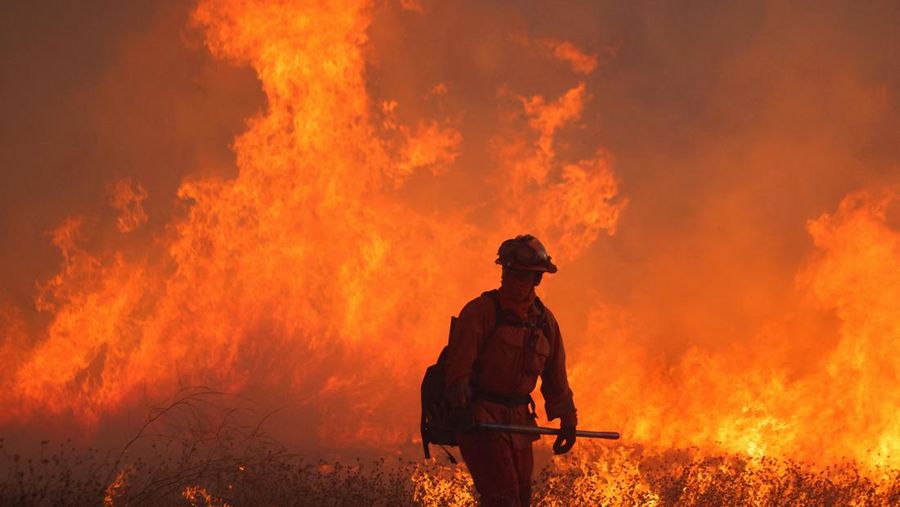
(501, 472)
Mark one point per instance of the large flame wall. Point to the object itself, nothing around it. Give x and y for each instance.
(724, 280)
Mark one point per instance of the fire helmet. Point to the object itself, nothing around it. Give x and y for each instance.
(525, 252)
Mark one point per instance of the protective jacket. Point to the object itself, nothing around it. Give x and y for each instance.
(502, 356)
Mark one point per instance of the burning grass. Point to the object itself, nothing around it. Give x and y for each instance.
(70, 477)
(631, 475)
(263, 473)
(199, 451)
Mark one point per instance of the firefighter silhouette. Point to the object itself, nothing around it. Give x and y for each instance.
(501, 343)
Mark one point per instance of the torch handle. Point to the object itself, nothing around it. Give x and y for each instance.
(541, 430)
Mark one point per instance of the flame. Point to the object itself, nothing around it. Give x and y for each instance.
(742, 400)
(128, 199)
(198, 496)
(451, 487)
(566, 51)
(316, 275)
(116, 488)
(306, 276)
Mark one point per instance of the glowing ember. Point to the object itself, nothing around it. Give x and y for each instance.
(199, 497)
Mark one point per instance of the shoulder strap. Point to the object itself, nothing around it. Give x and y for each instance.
(500, 319)
(498, 311)
(494, 296)
(542, 321)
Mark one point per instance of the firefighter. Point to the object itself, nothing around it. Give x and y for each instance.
(502, 342)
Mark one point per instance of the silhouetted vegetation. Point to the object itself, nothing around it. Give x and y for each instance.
(188, 454)
(69, 476)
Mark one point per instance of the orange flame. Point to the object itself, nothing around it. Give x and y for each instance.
(198, 496)
(314, 277)
(307, 276)
(128, 199)
(116, 488)
(742, 400)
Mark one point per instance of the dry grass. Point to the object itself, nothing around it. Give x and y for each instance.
(264, 476)
(632, 476)
(265, 479)
(194, 452)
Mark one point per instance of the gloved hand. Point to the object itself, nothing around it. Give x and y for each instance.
(459, 398)
(566, 438)
(459, 394)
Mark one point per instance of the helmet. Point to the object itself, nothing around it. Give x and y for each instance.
(525, 252)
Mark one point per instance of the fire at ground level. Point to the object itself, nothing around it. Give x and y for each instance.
(238, 466)
(750, 289)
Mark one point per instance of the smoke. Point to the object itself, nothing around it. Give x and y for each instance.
(670, 156)
(97, 93)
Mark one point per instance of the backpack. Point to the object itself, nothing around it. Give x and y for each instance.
(439, 424)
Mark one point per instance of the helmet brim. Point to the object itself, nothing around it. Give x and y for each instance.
(548, 268)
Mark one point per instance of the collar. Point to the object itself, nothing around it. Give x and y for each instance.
(522, 308)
